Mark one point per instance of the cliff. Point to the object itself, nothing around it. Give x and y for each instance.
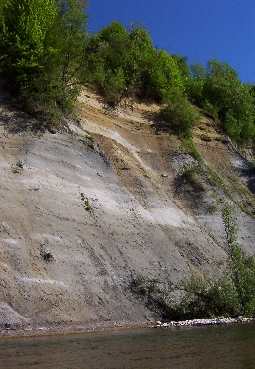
(85, 210)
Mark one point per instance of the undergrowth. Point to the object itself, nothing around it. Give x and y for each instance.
(231, 294)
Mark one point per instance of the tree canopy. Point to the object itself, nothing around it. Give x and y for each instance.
(24, 28)
(42, 48)
(231, 99)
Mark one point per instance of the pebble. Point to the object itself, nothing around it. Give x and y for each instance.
(198, 322)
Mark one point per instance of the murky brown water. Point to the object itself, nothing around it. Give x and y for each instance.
(221, 347)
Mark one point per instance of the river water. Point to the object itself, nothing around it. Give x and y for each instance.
(222, 347)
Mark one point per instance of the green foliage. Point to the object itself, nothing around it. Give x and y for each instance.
(86, 202)
(203, 298)
(140, 58)
(231, 294)
(42, 50)
(45, 55)
(188, 146)
(207, 297)
(164, 79)
(217, 90)
(195, 84)
(106, 54)
(109, 47)
(190, 172)
(24, 28)
(183, 65)
(231, 100)
(114, 86)
(120, 61)
(241, 267)
(210, 110)
(179, 115)
(198, 71)
(242, 270)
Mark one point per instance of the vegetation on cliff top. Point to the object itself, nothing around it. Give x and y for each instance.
(47, 54)
(42, 48)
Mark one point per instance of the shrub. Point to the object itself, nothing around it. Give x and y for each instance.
(231, 294)
(179, 115)
(241, 266)
(188, 146)
(164, 79)
(190, 172)
(209, 297)
(114, 86)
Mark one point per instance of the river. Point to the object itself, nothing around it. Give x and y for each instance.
(223, 347)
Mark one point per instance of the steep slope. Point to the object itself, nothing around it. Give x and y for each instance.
(86, 210)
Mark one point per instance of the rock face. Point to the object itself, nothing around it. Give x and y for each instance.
(86, 210)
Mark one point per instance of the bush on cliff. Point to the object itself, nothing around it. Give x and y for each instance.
(232, 294)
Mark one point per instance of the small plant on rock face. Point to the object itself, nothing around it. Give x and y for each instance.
(47, 255)
(19, 164)
(205, 138)
(33, 188)
(87, 204)
(187, 146)
(190, 173)
(16, 168)
(211, 209)
(90, 141)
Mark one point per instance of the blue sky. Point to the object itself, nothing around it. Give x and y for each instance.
(199, 29)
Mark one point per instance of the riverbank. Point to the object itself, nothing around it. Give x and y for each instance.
(13, 331)
(199, 322)
(10, 331)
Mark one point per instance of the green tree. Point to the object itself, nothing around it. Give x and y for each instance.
(195, 84)
(105, 66)
(139, 61)
(115, 40)
(182, 62)
(164, 77)
(42, 48)
(114, 86)
(119, 60)
(70, 38)
(24, 27)
(231, 100)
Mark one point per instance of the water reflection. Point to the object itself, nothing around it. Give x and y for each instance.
(218, 347)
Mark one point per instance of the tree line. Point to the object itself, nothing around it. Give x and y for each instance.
(47, 55)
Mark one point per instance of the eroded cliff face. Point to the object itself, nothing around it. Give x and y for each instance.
(80, 217)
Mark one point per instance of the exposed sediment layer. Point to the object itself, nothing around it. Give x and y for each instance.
(84, 211)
